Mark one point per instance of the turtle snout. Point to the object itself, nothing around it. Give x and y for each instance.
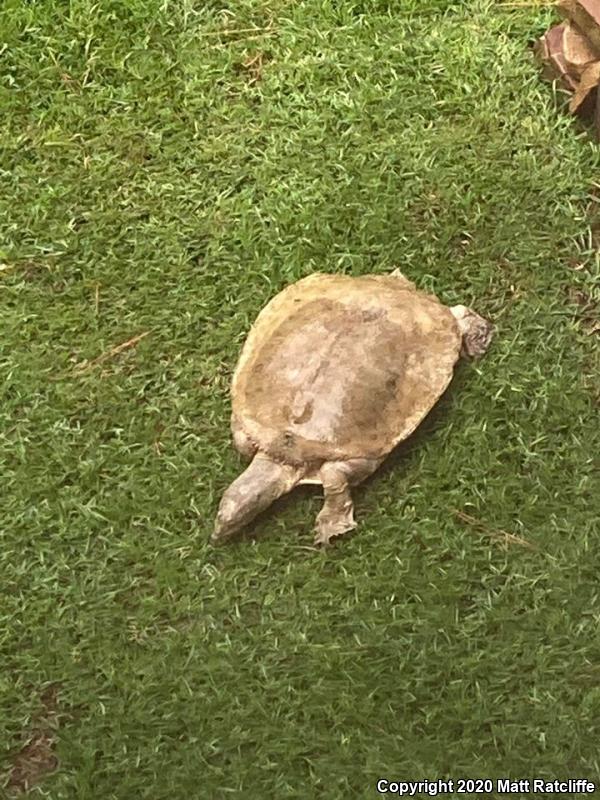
(479, 340)
(477, 334)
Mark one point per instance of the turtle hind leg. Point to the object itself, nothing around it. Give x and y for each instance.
(261, 483)
(337, 515)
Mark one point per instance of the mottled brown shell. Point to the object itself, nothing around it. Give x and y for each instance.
(337, 367)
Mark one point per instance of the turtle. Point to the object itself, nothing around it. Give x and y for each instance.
(336, 371)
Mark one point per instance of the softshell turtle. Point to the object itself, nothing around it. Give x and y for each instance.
(335, 372)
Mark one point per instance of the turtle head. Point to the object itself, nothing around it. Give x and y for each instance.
(252, 492)
(477, 332)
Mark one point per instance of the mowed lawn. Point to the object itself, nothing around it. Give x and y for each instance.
(167, 167)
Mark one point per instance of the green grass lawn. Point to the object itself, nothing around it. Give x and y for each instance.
(167, 167)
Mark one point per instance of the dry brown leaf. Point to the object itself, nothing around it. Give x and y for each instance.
(550, 50)
(589, 81)
(254, 67)
(578, 52)
(587, 310)
(36, 758)
(586, 16)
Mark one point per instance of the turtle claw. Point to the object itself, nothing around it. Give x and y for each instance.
(329, 528)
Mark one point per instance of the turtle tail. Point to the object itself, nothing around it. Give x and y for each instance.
(252, 492)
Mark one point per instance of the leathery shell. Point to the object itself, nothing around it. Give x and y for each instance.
(338, 367)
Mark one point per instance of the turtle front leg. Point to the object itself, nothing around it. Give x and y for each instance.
(337, 515)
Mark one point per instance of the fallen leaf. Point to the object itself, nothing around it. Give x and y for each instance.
(36, 758)
(550, 50)
(589, 81)
(586, 16)
(578, 52)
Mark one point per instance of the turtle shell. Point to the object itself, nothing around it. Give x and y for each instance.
(338, 367)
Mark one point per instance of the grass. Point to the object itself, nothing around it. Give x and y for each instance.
(167, 168)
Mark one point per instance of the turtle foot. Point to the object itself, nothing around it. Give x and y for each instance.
(329, 526)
